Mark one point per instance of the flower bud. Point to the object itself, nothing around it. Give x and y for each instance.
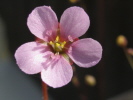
(73, 1)
(121, 41)
(90, 80)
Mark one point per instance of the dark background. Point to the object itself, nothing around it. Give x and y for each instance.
(109, 18)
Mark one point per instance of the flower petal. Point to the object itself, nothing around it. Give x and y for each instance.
(58, 73)
(74, 23)
(41, 21)
(30, 57)
(85, 52)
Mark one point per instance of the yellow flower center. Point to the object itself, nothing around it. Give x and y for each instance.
(57, 45)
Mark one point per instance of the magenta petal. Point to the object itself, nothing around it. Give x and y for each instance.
(41, 21)
(30, 57)
(85, 52)
(74, 23)
(58, 73)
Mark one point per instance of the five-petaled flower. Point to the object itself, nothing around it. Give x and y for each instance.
(57, 45)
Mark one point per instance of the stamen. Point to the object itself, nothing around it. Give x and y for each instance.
(63, 44)
(52, 44)
(57, 39)
(70, 38)
(49, 33)
(57, 45)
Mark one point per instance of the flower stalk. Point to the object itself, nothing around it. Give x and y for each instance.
(44, 90)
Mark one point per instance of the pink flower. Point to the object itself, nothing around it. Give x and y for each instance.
(57, 45)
